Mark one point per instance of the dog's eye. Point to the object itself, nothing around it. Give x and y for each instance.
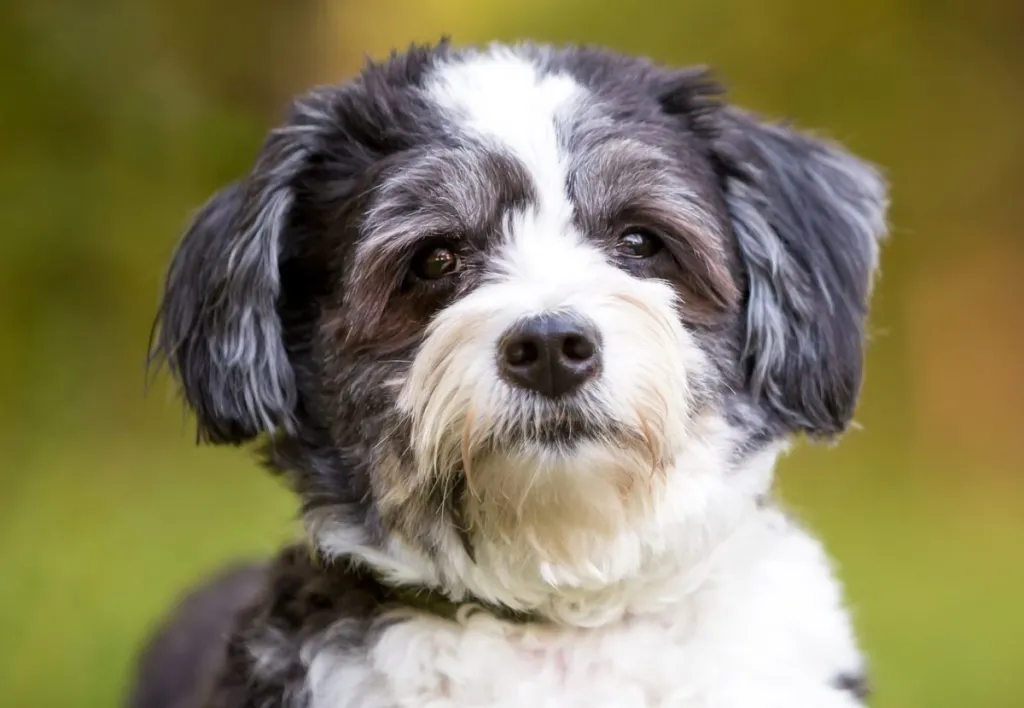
(638, 243)
(435, 262)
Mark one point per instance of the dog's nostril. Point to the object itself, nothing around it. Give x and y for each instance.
(521, 352)
(578, 348)
(550, 354)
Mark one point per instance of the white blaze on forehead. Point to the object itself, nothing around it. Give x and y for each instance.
(505, 100)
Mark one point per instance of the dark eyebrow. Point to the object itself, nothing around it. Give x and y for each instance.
(445, 190)
(623, 175)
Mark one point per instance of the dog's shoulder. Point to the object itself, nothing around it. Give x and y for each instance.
(180, 653)
(302, 605)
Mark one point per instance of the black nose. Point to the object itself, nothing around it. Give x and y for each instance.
(551, 354)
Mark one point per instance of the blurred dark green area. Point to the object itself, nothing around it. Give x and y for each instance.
(118, 118)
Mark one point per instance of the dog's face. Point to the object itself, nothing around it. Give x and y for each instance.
(503, 304)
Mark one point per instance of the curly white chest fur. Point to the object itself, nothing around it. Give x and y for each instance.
(765, 628)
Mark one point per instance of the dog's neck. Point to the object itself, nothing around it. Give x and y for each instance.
(657, 561)
(420, 598)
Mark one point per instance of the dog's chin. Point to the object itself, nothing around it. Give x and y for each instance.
(563, 480)
(548, 485)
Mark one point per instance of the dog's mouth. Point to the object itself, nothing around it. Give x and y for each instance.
(559, 429)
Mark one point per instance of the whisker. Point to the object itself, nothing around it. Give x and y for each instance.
(645, 430)
(466, 450)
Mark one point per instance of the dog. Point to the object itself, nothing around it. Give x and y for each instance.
(526, 328)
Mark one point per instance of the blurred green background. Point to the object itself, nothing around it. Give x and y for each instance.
(118, 117)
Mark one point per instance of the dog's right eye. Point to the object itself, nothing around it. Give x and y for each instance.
(435, 262)
(638, 243)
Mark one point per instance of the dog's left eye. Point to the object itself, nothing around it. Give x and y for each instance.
(435, 262)
(638, 243)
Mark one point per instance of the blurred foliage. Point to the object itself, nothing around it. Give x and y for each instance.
(119, 117)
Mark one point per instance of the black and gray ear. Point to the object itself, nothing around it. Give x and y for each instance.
(807, 217)
(219, 329)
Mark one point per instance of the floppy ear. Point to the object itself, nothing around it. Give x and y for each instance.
(219, 329)
(807, 217)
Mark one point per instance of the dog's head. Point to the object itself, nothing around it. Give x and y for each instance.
(515, 316)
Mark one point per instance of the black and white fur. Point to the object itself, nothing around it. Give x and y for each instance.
(630, 521)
